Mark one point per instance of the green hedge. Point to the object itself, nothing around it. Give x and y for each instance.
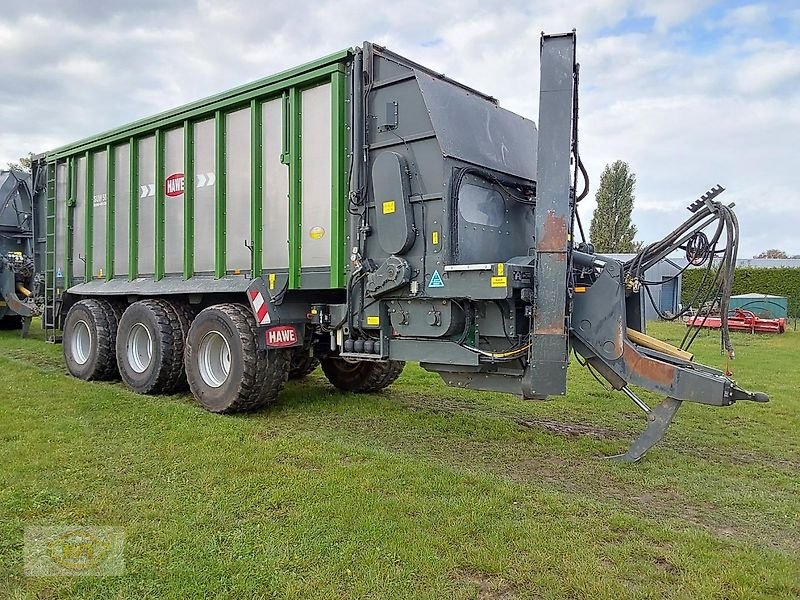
(749, 280)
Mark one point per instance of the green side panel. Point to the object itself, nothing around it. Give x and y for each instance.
(237, 97)
(295, 200)
(110, 212)
(89, 209)
(188, 199)
(256, 187)
(219, 191)
(133, 222)
(159, 207)
(338, 179)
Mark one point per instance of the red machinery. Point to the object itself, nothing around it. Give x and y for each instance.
(739, 320)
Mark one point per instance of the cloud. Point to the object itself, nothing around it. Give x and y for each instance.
(690, 93)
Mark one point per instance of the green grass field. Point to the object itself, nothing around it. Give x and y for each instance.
(421, 491)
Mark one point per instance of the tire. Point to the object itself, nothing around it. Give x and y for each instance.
(10, 323)
(303, 364)
(89, 339)
(361, 376)
(226, 371)
(150, 343)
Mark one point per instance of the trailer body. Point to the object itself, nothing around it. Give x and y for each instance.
(361, 210)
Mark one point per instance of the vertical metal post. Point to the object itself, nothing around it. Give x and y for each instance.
(88, 198)
(338, 178)
(133, 221)
(159, 210)
(110, 211)
(256, 187)
(295, 187)
(188, 199)
(219, 195)
(547, 371)
(68, 221)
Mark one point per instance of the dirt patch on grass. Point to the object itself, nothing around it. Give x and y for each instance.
(571, 429)
(489, 587)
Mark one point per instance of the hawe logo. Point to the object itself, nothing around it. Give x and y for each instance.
(175, 184)
(282, 336)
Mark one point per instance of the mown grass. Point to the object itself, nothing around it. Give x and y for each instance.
(421, 491)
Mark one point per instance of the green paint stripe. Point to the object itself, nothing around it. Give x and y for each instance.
(110, 211)
(68, 237)
(88, 209)
(303, 75)
(133, 221)
(295, 200)
(219, 195)
(159, 209)
(188, 199)
(256, 186)
(338, 179)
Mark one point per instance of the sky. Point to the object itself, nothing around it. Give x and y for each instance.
(691, 93)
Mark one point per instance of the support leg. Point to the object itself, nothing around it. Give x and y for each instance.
(658, 420)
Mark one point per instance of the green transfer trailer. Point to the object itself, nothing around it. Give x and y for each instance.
(359, 211)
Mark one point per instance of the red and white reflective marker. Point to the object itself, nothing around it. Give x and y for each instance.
(259, 306)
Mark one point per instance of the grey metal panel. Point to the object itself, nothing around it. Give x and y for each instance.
(147, 216)
(61, 213)
(122, 208)
(204, 186)
(79, 221)
(99, 214)
(316, 177)
(173, 204)
(237, 189)
(174, 284)
(478, 131)
(275, 174)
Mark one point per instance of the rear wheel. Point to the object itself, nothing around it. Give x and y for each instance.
(150, 346)
(303, 364)
(225, 369)
(361, 376)
(90, 332)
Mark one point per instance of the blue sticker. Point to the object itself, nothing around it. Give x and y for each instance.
(436, 280)
(58, 272)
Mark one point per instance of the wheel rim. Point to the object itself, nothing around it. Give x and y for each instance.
(214, 359)
(139, 348)
(81, 342)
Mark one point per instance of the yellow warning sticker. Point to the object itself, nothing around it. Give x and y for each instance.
(501, 269)
(373, 320)
(388, 207)
(435, 238)
(272, 281)
(499, 281)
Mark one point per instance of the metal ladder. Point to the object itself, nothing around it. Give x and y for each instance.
(51, 299)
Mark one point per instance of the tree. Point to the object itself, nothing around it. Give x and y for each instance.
(611, 229)
(772, 253)
(24, 164)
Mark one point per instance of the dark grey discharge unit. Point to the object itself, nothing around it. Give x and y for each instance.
(22, 250)
(359, 211)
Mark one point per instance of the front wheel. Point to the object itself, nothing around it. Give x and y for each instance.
(225, 369)
(90, 333)
(361, 376)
